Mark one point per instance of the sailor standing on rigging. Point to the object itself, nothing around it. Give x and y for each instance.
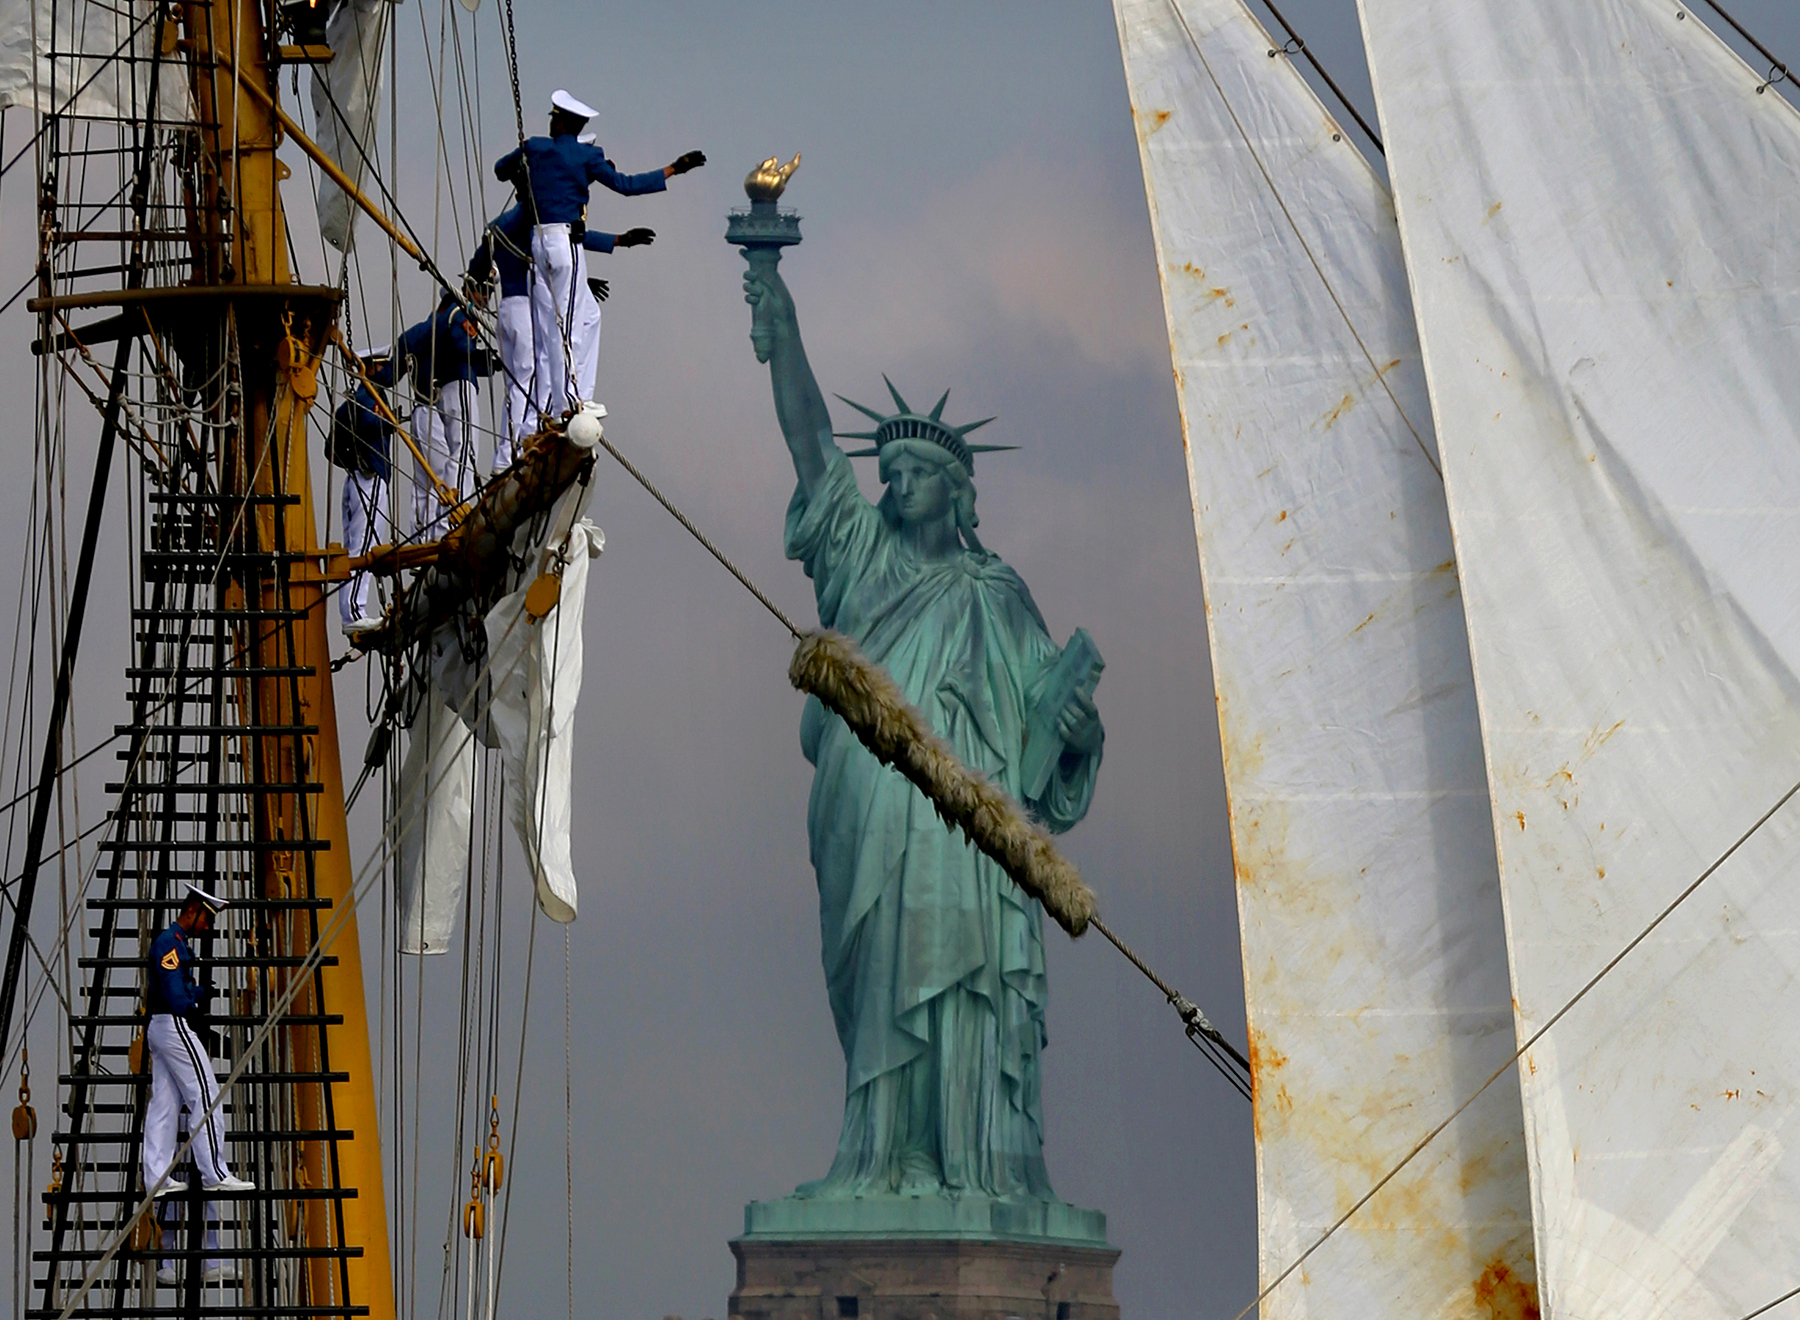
(504, 255)
(361, 443)
(444, 358)
(552, 176)
(181, 1071)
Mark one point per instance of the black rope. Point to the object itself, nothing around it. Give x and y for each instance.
(1295, 44)
(1777, 70)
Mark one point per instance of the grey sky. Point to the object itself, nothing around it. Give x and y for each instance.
(974, 219)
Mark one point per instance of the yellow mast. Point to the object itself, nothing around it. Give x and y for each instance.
(281, 338)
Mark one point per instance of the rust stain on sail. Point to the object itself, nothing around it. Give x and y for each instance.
(1504, 1295)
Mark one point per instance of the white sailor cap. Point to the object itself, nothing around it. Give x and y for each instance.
(561, 100)
(378, 351)
(587, 137)
(213, 903)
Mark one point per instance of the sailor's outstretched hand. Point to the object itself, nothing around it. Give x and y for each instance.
(600, 289)
(639, 237)
(687, 160)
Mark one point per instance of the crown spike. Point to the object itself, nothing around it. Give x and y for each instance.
(899, 402)
(972, 426)
(866, 412)
(856, 435)
(937, 413)
(990, 449)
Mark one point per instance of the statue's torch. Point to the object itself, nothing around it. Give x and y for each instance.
(761, 232)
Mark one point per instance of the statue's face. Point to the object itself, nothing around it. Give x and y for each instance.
(922, 491)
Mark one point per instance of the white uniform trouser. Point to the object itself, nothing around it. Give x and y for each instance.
(553, 316)
(366, 525)
(445, 430)
(169, 1221)
(181, 1077)
(513, 324)
(586, 342)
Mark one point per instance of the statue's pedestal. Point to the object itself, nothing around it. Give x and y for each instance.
(922, 1258)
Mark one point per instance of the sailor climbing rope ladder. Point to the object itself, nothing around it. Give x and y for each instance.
(181, 1069)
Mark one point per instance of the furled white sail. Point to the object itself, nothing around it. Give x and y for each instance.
(346, 100)
(1374, 957)
(86, 59)
(1601, 212)
(437, 789)
(519, 697)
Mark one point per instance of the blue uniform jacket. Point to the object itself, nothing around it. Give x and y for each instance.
(361, 438)
(440, 349)
(172, 985)
(506, 251)
(555, 189)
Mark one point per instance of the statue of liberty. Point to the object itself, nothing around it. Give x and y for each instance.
(934, 959)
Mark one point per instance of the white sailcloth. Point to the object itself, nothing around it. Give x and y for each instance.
(346, 100)
(1601, 212)
(537, 681)
(1374, 957)
(87, 59)
(437, 791)
(520, 699)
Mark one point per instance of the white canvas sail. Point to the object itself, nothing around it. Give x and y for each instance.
(86, 59)
(1374, 958)
(346, 101)
(519, 699)
(1601, 211)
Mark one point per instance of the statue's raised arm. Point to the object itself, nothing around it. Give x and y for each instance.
(799, 404)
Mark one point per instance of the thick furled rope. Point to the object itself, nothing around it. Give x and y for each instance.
(828, 665)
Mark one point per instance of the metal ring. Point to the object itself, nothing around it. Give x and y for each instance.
(1292, 46)
(1777, 73)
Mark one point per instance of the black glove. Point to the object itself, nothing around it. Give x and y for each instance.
(600, 289)
(688, 160)
(639, 237)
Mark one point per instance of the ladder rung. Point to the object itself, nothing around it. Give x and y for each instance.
(211, 730)
(224, 671)
(66, 1197)
(188, 1253)
(270, 1136)
(173, 614)
(173, 1312)
(219, 1019)
(150, 904)
(141, 788)
(182, 497)
(244, 1079)
(214, 845)
(266, 960)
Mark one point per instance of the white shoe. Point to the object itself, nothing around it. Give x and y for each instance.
(165, 1275)
(170, 1187)
(221, 1271)
(230, 1183)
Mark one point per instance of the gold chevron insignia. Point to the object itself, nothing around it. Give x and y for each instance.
(171, 960)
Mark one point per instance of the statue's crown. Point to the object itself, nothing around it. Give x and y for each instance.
(909, 425)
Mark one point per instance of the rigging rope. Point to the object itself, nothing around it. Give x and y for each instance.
(1295, 43)
(830, 667)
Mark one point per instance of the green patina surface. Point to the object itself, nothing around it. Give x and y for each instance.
(933, 958)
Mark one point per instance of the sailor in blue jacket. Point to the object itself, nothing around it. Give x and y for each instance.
(552, 176)
(362, 443)
(444, 359)
(181, 1071)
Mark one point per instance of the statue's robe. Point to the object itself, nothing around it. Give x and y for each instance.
(934, 959)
